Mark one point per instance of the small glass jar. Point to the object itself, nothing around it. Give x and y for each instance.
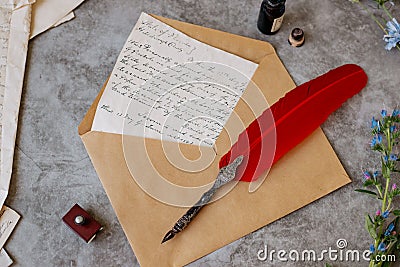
(271, 16)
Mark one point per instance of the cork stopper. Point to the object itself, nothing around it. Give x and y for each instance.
(276, 3)
(296, 37)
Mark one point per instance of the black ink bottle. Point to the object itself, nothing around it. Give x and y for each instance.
(271, 16)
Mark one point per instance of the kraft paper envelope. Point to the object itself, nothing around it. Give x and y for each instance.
(308, 172)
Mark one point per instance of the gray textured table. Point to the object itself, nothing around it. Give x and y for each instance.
(67, 66)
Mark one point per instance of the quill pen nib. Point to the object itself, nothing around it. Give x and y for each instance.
(225, 175)
(168, 236)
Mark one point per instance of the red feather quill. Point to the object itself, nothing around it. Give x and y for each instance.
(290, 120)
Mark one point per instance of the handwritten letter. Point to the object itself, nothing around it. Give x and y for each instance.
(166, 85)
(5, 260)
(14, 34)
(5, 21)
(8, 221)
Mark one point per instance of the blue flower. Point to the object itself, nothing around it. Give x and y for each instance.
(396, 112)
(392, 128)
(385, 214)
(393, 36)
(383, 113)
(393, 157)
(389, 229)
(376, 140)
(373, 142)
(381, 247)
(372, 248)
(385, 158)
(374, 123)
(376, 173)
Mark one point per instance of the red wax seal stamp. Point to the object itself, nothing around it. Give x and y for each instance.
(82, 223)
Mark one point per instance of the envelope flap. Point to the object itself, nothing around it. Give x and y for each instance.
(86, 123)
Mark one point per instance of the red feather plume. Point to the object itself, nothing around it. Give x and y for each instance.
(290, 120)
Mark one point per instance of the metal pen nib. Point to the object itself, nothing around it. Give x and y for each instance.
(225, 175)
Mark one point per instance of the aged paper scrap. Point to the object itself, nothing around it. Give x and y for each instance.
(5, 260)
(46, 13)
(67, 18)
(14, 33)
(8, 220)
(170, 81)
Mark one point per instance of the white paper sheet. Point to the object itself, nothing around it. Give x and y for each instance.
(8, 220)
(67, 18)
(46, 13)
(14, 34)
(15, 4)
(176, 87)
(5, 21)
(5, 260)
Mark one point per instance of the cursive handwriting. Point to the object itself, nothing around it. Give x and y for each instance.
(166, 86)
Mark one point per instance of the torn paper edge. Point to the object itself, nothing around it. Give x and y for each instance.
(16, 60)
(5, 259)
(67, 18)
(58, 9)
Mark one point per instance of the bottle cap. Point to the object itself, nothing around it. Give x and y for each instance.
(275, 3)
(296, 37)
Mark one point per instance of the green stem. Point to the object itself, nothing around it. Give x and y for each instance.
(379, 191)
(389, 203)
(373, 17)
(391, 18)
(371, 263)
(385, 195)
(386, 173)
(387, 11)
(377, 21)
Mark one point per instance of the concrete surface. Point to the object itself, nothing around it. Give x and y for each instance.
(68, 65)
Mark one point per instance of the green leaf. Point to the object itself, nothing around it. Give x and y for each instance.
(366, 192)
(380, 187)
(396, 192)
(391, 238)
(378, 147)
(369, 225)
(396, 212)
(368, 182)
